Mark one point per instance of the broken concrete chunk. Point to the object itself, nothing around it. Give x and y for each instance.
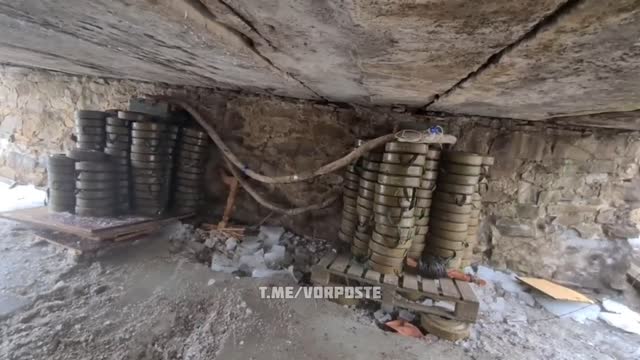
(231, 244)
(253, 261)
(221, 263)
(270, 235)
(275, 257)
(381, 316)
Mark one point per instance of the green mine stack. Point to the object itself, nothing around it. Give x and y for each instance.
(474, 219)
(368, 171)
(452, 206)
(395, 204)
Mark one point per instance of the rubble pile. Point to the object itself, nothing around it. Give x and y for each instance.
(272, 251)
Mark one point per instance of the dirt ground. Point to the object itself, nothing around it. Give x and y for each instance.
(147, 301)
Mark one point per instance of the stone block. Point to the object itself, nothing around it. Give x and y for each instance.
(597, 178)
(588, 230)
(527, 193)
(600, 166)
(606, 216)
(528, 211)
(515, 227)
(567, 150)
(627, 171)
(620, 231)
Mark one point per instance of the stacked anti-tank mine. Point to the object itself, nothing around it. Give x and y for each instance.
(349, 198)
(395, 206)
(452, 206)
(424, 195)
(90, 129)
(368, 176)
(118, 145)
(152, 146)
(190, 167)
(476, 207)
(95, 184)
(61, 190)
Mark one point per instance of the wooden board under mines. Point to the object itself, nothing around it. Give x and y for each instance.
(92, 228)
(337, 269)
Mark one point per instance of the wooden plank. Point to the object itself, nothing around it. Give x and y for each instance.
(429, 286)
(326, 260)
(340, 263)
(372, 275)
(466, 291)
(319, 273)
(410, 282)
(87, 227)
(390, 279)
(355, 270)
(466, 311)
(449, 289)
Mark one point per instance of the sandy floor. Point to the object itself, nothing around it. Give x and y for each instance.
(147, 302)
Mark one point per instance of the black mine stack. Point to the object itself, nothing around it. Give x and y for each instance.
(395, 205)
(424, 194)
(95, 184)
(368, 176)
(118, 145)
(151, 162)
(90, 129)
(452, 206)
(192, 151)
(349, 199)
(61, 173)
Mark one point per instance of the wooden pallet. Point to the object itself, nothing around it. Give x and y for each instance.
(113, 229)
(336, 269)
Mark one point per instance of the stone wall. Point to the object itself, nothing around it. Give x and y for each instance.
(562, 201)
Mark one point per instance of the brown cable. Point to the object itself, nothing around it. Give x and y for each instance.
(305, 175)
(330, 198)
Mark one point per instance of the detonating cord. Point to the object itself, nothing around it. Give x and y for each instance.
(235, 163)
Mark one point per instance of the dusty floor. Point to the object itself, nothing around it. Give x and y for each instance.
(148, 302)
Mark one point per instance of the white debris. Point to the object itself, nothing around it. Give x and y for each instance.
(406, 315)
(276, 256)
(253, 261)
(211, 282)
(20, 197)
(504, 280)
(263, 273)
(620, 316)
(577, 311)
(270, 235)
(381, 316)
(249, 245)
(231, 244)
(221, 263)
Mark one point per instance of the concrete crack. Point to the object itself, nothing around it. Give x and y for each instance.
(199, 7)
(544, 23)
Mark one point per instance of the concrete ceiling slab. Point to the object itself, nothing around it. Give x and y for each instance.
(364, 51)
(585, 62)
(133, 40)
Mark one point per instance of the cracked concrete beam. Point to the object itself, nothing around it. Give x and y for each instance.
(583, 63)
